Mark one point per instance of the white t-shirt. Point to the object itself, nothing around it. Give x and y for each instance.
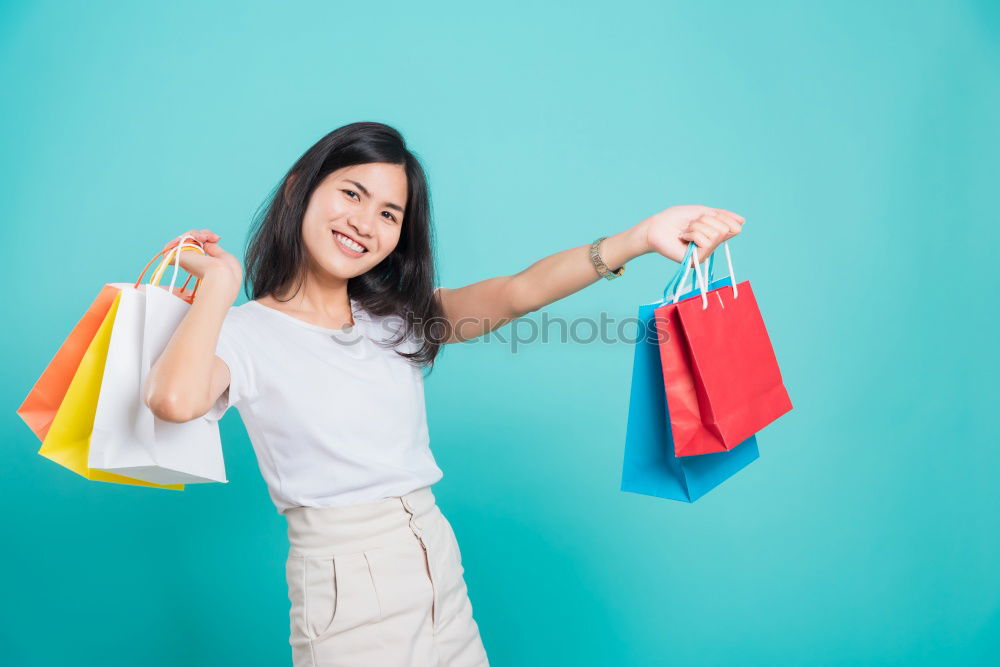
(334, 418)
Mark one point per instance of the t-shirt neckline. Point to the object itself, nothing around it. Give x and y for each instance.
(355, 310)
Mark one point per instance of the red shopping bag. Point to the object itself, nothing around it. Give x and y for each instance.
(691, 434)
(737, 378)
(719, 364)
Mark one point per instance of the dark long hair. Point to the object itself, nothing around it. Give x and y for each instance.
(401, 284)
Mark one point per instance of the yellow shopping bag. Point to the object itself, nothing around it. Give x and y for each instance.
(68, 439)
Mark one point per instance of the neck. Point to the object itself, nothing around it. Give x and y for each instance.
(320, 296)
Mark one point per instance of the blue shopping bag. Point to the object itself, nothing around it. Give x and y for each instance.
(650, 466)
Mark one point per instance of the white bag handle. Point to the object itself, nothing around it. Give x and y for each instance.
(702, 279)
(175, 255)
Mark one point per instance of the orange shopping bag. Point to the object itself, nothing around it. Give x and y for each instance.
(39, 407)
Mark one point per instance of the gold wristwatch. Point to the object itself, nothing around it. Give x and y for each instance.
(602, 268)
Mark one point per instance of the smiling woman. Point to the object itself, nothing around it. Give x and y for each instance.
(361, 188)
(341, 279)
(324, 364)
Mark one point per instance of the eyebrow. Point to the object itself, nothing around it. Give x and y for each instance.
(368, 194)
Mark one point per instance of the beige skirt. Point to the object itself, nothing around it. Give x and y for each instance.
(380, 585)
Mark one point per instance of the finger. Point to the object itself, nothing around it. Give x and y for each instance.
(176, 253)
(729, 217)
(172, 243)
(189, 259)
(699, 229)
(728, 225)
(720, 226)
(715, 230)
(702, 241)
(194, 234)
(686, 236)
(738, 217)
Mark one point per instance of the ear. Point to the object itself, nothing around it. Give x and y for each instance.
(286, 191)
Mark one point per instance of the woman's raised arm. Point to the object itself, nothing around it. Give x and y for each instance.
(481, 307)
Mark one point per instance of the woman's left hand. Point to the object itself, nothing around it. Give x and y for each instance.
(669, 231)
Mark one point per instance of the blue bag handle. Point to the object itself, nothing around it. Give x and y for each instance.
(671, 291)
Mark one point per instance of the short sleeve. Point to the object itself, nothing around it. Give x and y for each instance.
(232, 348)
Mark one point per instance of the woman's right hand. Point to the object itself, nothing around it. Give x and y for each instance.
(188, 377)
(215, 261)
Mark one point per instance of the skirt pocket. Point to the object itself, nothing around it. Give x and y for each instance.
(312, 591)
(357, 601)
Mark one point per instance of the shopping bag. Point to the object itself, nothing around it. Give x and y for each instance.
(39, 407)
(736, 375)
(128, 439)
(67, 439)
(650, 465)
(691, 436)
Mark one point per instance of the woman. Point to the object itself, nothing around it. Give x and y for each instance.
(324, 364)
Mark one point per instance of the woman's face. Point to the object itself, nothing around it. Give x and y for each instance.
(363, 202)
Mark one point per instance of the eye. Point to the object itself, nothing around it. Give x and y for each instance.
(391, 216)
(352, 193)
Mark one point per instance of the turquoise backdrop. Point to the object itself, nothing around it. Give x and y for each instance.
(859, 139)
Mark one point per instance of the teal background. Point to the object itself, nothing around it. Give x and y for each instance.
(858, 139)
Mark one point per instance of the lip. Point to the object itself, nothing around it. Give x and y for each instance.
(348, 250)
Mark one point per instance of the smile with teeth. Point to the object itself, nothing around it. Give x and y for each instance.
(348, 243)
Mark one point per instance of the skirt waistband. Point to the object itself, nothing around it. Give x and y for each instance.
(327, 531)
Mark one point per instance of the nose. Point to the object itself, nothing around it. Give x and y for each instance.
(361, 224)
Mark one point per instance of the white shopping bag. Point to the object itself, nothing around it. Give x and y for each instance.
(128, 439)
